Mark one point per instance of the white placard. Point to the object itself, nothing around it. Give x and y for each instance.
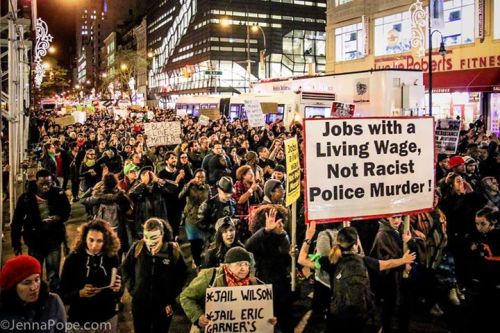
(163, 133)
(368, 167)
(203, 120)
(254, 113)
(447, 135)
(239, 309)
(181, 113)
(80, 117)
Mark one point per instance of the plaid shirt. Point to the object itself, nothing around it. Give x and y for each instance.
(239, 189)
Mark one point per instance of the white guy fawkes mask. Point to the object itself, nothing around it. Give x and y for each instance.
(153, 240)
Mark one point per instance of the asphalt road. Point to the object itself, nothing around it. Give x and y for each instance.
(301, 316)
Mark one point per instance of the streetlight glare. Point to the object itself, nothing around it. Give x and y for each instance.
(77, 86)
(46, 65)
(52, 50)
(225, 22)
(255, 28)
(123, 67)
(150, 54)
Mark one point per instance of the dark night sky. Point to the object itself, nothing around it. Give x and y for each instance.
(60, 18)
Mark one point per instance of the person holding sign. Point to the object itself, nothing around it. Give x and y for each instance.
(234, 272)
(89, 281)
(352, 301)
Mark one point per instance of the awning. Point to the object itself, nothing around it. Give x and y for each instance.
(473, 80)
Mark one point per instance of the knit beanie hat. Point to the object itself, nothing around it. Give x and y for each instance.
(224, 221)
(269, 187)
(17, 269)
(237, 254)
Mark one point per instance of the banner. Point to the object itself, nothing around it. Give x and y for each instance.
(342, 110)
(213, 114)
(239, 309)
(203, 120)
(437, 14)
(162, 134)
(254, 113)
(368, 167)
(447, 134)
(292, 171)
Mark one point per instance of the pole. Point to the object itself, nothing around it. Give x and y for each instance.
(294, 244)
(406, 228)
(249, 68)
(430, 59)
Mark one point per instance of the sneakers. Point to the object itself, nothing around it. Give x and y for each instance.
(436, 311)
(453, 297)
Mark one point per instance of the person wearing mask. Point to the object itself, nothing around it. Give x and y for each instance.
(25, 298)
(195, 192)
(225, 239)
(39, 220)
(270, 247)
(235, 272)
(220, 205)
(154, 273)
(90, 284)
(174, 179)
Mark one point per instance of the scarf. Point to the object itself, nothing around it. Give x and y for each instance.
(53, 157)
(90, 163)
(234, 281)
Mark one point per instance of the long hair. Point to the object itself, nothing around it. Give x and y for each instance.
(447, 185)
(111, 244)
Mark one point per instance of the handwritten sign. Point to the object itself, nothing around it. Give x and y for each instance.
(213, 114)
(292, 171)
(380, 166)
(447, 134)
(204, 120)
(65, 121)
(163, 133)
(239, 309)
(254, 113)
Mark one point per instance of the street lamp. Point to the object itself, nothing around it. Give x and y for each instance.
(262, 53)
(52, 50)
(442, 52)
(123, 67)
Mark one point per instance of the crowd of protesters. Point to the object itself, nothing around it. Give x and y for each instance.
(222, 190)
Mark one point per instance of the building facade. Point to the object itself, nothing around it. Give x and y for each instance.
(204, 47)
(96, 19)
(374, 34)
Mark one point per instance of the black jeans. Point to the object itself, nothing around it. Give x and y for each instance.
(52, 260)
(149, 318)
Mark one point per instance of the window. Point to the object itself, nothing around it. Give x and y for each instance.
(459, 18)
(392, 34)
(496, 19)
(349, 42)
(341, 2)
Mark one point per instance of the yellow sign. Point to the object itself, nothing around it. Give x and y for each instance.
(292, 171)
(213, 114)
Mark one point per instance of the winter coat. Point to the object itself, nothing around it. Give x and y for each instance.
(81, 268)
(271, 253)
(49, 164)
(88, 180)
(193, 296)
(195, 195)
(212, 210)
(215, 255)
(156, 280)
(27, 222)
(148, 201)
(48, 309)
(216, 166)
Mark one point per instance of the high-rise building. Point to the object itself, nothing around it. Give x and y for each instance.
(96, 19)
(204, 46)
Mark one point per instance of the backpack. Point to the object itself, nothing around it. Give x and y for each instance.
(109, 212)
(352, 297)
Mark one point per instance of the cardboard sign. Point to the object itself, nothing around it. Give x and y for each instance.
(181, 113)
(447, 135)
(203, 120)
(269, 108)
(163, 133)
(254, 113)
(239, 309)
(368, 167)
(213, 114)
(342, 110)
(65, 121)
(292, 171)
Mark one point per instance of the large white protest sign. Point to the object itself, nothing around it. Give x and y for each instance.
(254, 113)
(368, 167)
(447, 134)
(164, 133)
(239, 309)
(203, 120)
